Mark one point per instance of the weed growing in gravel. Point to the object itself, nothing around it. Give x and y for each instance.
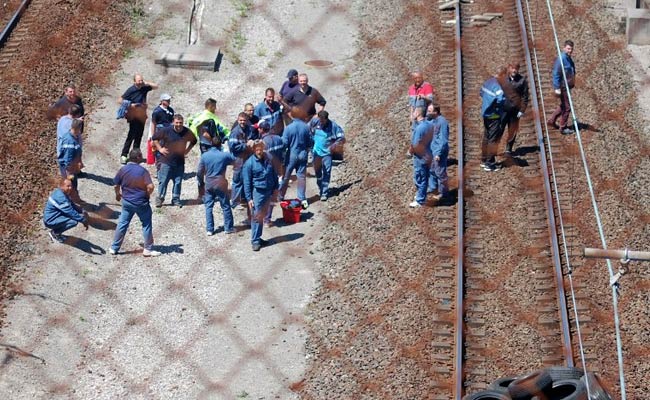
(242, 395)
(239, 40)
(242, 7)
(278, 54)
(261, 51)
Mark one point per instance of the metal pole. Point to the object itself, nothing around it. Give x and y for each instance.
(617, 254)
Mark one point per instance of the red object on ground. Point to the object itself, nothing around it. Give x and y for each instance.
(290, 215)
(151, 159)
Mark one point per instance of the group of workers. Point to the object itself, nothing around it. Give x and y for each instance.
(505, 98)
(429, 145)
(265, 146)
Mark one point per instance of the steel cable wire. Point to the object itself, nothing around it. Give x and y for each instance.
(557, 199)
(619, 347)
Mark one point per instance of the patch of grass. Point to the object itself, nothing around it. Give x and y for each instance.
(242, 7)
(135, 8)
(235, 58)
(82, 319)
(242, 395)
(278, 54)
(261, 51)
(238, 40)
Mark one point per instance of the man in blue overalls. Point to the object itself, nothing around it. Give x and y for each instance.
(260, 185)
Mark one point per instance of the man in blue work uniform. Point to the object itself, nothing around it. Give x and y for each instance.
(69, 157)
(328, 138)
(275, 150)
(493, 112)
(297, 139)
(61, 213)
(271, 111)
(239, 143)
(133, 187)
(260, 184)
(172, 144)
(64, 123)
(438, 178)
(211, 175)
(560, 87)
(421, 150)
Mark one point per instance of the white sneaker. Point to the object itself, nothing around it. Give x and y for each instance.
(305, 204)
(415, 204)
(112, 252)
(209, 233)
(151, 253)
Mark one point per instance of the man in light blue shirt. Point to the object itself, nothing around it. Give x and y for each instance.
(328, 139)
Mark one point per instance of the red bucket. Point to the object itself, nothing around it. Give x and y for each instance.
(290, 215)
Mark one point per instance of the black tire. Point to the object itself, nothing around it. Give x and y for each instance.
(568, 389)
(596, 389)
(563, 373)
(530, 385)
(501, 385)
(487, 395)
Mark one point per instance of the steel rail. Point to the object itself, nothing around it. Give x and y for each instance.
(555, 249)
(460, 217)
(6, 32)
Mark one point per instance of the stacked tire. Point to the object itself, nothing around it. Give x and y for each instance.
(554, 383)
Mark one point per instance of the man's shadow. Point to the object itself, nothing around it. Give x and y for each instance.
(84, 245)
(98, 178)
(287, 238)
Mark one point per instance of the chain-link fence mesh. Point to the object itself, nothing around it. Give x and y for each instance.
(358, 286)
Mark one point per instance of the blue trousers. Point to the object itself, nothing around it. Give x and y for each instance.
(261, 200)
(420, 178)
(211, 196)
(323, 169)
(63, 226)
(300, 166)
(168, 173)
(237, 190)
(128, 211)
(438, 178)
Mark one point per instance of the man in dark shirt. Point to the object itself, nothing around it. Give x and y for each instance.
(302, 102)
(289, 86)
(133, 186)
(136, 114)
(173, 143)
(163, 114)
(515, 89)
(62, 106)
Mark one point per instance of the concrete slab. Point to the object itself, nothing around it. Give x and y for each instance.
(193, 56)
(638, 26)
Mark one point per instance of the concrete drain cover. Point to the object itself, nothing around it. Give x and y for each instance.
(319, 63)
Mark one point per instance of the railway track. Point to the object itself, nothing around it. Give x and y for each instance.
(507, 253)
(16, 33)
